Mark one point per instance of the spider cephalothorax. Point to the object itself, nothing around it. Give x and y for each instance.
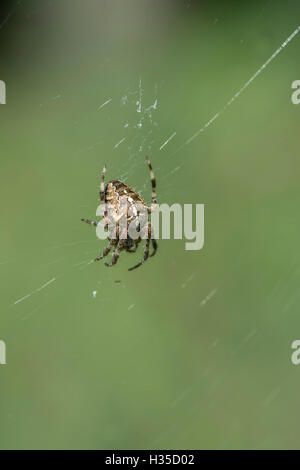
(124, 206)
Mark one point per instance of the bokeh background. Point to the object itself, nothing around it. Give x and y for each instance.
(193, 350)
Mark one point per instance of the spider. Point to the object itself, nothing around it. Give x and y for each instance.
(110, 196)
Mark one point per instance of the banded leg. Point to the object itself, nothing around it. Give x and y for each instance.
(91, 222)
(153, 183)
(145, 257)
(102, 192)
(153, 239)
(115, 256)
(155, 246)
(132, 250)
(105, 252)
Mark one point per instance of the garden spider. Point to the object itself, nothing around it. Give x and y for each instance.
(110, 196)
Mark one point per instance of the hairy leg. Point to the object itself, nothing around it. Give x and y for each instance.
(91, 222)
(153, 183)
(155, 246)
(105, 252)
(115, 255)
(145, 257)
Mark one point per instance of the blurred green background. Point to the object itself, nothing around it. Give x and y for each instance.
(193, 349)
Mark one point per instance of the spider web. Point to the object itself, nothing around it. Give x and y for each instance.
(136, 112)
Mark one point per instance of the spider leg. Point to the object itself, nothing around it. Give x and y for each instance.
(155, 246)
(153, 183)
(132, 250)
(115, 255)
(102, 190)
(145, 257)
(153, 239)
(91, 222)
(105, 252)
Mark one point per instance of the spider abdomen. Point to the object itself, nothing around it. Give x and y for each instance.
(115, 189)
(122, 199)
